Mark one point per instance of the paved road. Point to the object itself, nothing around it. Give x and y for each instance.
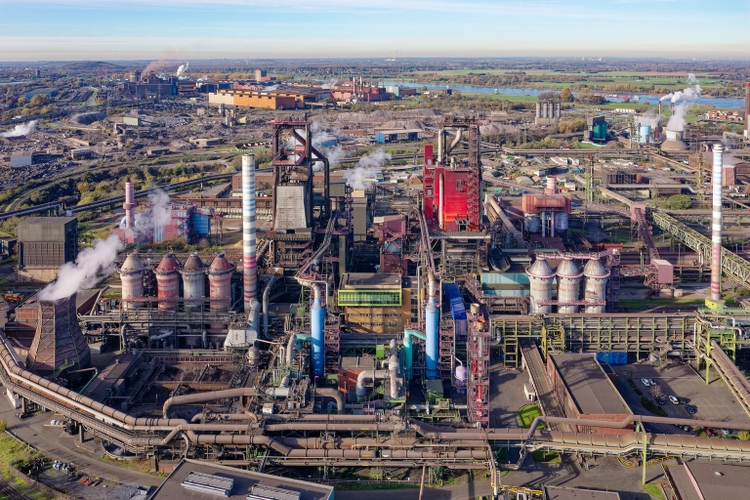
(58, 445)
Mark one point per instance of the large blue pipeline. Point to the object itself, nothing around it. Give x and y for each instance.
(317, 322)
(430, 336)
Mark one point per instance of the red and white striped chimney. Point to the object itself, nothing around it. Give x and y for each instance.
(248, 229)
(716, 225)
(129, 205)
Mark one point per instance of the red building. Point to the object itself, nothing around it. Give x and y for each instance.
(452, 194)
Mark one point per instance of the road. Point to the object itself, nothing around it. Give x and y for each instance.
(57, 445)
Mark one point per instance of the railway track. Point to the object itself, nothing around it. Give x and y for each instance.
(8, 492)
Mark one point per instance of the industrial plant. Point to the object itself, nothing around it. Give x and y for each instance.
(364, 314)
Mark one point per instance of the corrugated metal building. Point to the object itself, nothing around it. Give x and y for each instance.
(44, 244)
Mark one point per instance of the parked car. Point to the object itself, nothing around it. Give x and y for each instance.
(674, 400)
(54, 422)
(691, 409)
(726, 432)
(645, 382)
(684, 401)
(662, 401)
(651, 382)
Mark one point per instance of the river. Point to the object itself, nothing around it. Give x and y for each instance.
(719, 102)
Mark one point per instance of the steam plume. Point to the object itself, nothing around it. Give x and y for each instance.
(91, 264)
(329, 84)
(182, 68)
(321, 137)
(650, 118)
(20, 130)
(367, 167)
(681, 101)
(161, 213)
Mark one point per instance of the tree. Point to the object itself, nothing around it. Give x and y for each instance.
(743, 435)
(566, 95)
(679, 202)
(39, 100)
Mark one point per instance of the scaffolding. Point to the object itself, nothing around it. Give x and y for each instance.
(478, 361)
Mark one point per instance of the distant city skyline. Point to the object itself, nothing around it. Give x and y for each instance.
(200, 29)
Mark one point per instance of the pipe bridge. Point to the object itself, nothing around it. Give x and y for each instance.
(733, 266)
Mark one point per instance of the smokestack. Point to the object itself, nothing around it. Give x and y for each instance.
(747, 109)
(716, 227)
(248, 229)
(129, 205)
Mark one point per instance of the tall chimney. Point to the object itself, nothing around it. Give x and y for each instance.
(747, 110)
(716, 227)
(248, 229)
(129, 205)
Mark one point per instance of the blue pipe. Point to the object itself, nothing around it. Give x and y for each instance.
(408, 349)
(432, 325)
(317, 321)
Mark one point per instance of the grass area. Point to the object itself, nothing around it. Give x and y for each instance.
(649, 303)
(527, 414)
(140, 465)
(545, 456)
(17, 455)
(653, 490)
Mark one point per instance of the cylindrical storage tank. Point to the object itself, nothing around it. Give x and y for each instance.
(193, 281)
(317, 322)
(561, 221)
(220, 283)
(253, 356)
(540, 279)
(551, 185)
(168, 282)
(474, 308)
(568, 285)
(131, 277)
(461, 377)
(645, 134)
(533, 223)
(432, 326)
(596, 285)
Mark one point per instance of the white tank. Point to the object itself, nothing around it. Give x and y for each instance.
(568, 285)
(561, 221)
(533, 223)
(193, 281)
(596, 285)
(131, 277)
(540, 279)
(461, 377)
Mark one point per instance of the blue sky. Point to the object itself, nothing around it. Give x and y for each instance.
(193, 29)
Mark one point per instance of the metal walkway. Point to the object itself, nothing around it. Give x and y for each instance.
(550, 406)
(733, 266)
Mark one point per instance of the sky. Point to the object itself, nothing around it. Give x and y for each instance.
(32, 30)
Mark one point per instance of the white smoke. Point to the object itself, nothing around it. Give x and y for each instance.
(91, 264)
(321, 136)
(182, 68)
(650, 118)
(681, 102)
(366, 169)
(329, 84)
(20, 130)
(161, 213)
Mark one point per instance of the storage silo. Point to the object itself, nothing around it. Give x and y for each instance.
(568, 285)
(220, 283)
(193, 281)
(540, 279)
(533, 223)
(596, 285)
(561, 222)
(131, 277)
(645, 134)
(168, 282)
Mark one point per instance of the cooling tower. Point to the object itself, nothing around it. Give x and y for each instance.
(58, 343)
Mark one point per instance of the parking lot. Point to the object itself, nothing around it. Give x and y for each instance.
(713, 401)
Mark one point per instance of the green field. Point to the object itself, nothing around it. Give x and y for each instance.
(527, 414)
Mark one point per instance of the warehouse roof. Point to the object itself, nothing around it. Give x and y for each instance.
(709, 481)
(589, 386)
(562, 493)
(371, 281)
(241, 482)
(46, 220)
